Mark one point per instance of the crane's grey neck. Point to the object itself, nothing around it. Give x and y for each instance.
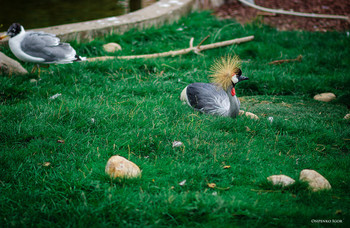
(234, 103)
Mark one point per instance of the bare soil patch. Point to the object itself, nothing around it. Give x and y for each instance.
(246, 14)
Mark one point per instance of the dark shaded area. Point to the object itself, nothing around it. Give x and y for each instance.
(36, 14)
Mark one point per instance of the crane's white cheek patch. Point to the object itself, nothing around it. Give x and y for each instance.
(234, 79)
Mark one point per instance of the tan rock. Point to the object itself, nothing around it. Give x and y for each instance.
(248, 114)
(326, 97)
(118, 166)
(315, 180)
(10, 66)
(282, 180)
(347, 116)
(112, 47)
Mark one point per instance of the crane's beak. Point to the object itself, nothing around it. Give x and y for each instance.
(3, 36)
(242, 78)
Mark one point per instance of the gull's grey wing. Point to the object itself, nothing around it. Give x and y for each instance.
(46, 46)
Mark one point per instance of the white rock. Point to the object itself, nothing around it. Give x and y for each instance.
(315, 180)
(326, 97)
(118, 166)
(112, 47)
(282, 180)
(248, 114)
(347, 116)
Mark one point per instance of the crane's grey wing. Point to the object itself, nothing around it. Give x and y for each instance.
(48, 47)
(208, 98)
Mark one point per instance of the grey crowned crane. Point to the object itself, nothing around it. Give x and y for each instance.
(39, 47)
(218, 97)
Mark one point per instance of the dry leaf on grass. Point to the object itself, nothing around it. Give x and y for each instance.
(211, 185)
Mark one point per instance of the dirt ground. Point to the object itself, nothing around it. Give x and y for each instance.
(244, 14)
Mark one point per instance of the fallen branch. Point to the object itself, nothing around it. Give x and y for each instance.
(286, 60)
(196, 49)
(328, 16)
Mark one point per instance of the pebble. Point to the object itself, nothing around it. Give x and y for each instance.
(326, 97)
(112, 47)
(315, 180)
(118, 166)
(347, 116)
(282, 180)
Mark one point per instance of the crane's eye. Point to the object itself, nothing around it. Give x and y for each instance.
(239, 72)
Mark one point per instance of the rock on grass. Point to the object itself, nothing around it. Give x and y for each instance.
(326, 97)
(112, 47)
(120, 167)
(281, 180)
(315, 180)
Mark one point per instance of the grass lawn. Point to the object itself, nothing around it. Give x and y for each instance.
(53, 151)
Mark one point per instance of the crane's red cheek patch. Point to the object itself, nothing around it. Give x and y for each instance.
(233, 91)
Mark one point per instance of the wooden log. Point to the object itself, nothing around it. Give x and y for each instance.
(196, 49)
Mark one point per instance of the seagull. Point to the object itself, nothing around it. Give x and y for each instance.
(39, 47)
(218, 97)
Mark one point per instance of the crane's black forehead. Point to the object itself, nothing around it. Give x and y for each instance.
(239, 72)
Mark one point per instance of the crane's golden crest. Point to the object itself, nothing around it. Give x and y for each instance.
(223, 69)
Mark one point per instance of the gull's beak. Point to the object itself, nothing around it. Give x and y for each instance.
(3, 36)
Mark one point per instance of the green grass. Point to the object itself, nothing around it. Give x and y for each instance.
(138, 114)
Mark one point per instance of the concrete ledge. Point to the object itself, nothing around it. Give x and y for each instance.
(157, 14)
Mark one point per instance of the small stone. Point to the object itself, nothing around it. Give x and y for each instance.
(112, 47)
(347, 116)
(177, 144)
(10, 66)
(248, 114)
(33, 80)
(326, 97)
(282, 180)
(315, 180)
(118, 166)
